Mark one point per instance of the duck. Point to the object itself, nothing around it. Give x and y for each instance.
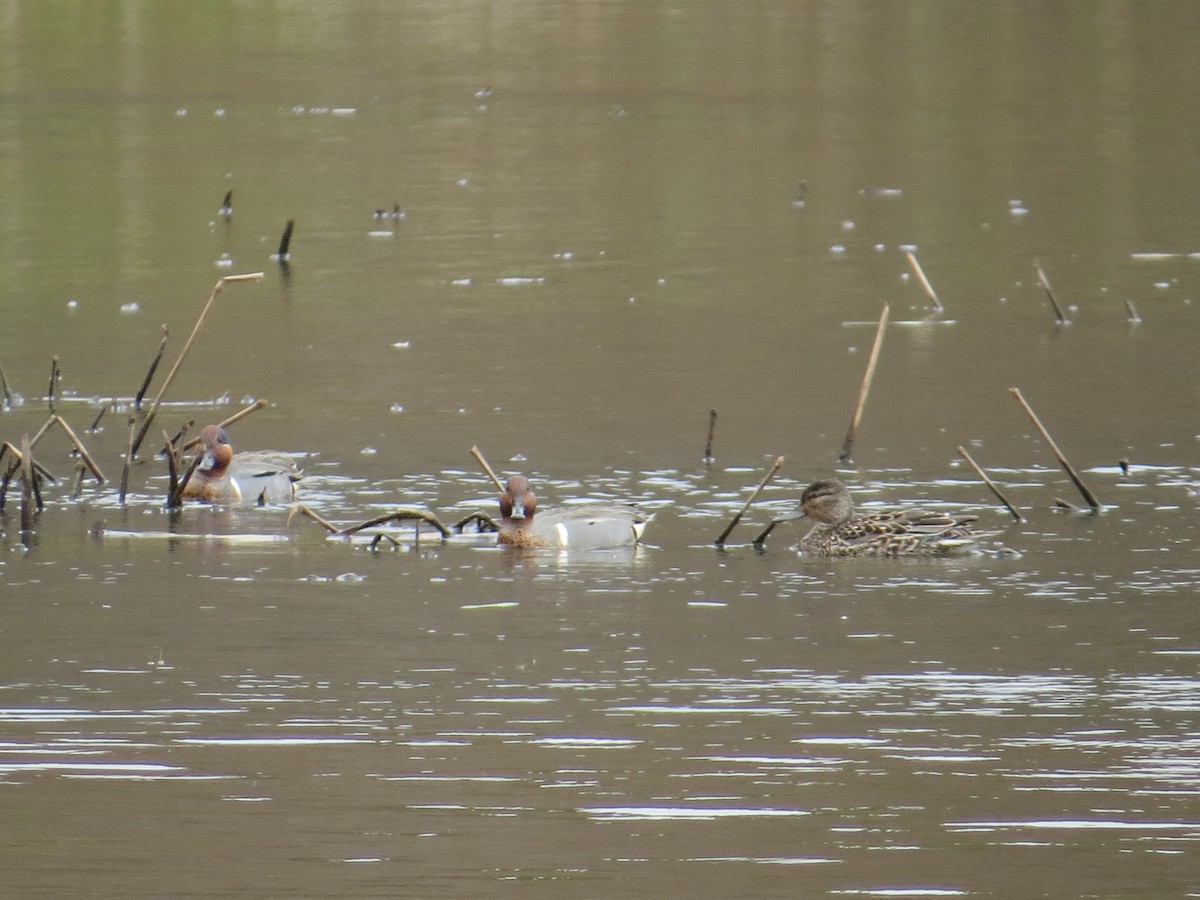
(255, 478)
(838, 531)
(590, 526)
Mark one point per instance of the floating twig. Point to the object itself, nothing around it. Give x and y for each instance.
(930, 292)
(254, 276)
(712, 427)
(1045, 282)
(848, 444)
(1062, 460)
(991, 485)
(162, 345)
(483, 462)
(720, 541)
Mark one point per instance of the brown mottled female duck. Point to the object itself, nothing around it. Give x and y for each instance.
(909, 532)
(591, 526)
(247, 478)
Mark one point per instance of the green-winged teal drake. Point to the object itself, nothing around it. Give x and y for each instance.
(243, 479)
(590, 526)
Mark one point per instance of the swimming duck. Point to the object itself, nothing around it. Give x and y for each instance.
(909, 532)
(591, 526)
(247, 478)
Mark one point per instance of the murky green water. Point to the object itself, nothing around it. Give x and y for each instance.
(616, 217)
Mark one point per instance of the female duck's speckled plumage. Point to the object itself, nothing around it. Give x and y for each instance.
(247, 478)
(592, 526)
(911, 532)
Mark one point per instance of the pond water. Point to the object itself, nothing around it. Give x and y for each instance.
(614, 218)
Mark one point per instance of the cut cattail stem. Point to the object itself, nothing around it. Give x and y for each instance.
(128, 457)
(712, 427)
(26, 485)
(55, 377)
(484, 463)
(8, 394)
(285, 240)
(929, 291)
(720, 542)
(852, 432)
(1017, 517)
(162, 346)
(1062, 460)
(1045, 282)
(253, 276)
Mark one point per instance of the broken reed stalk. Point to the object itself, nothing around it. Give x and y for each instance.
(720, 542)
(848, 443)
(128, 457)
(58, 420)
(253, 276)
(991, 485)
(175, 484)
(285, 240)
(236, 417)
(1045, 282)
(712, 427)
(42, 471)
(1132, 313)
(80, 472)
(226, 209)
(400, 514)
(8, 394)
(932, 294)
(100, 415)
(1058, 454)
(162, 346)
(483, 462)
(26, 485)
(55, 375)
(301, 509)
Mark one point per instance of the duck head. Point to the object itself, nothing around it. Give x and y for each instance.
(218, 453)
(827, 502)
(518, 503)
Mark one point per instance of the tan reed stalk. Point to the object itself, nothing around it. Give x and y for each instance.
(1058, 454)
(483, 462)
(852, 432)
(253, 276)
(991, 485)
(720, 541)
(162, 346)
(712, 427)
(1045, 282)
(930, 292)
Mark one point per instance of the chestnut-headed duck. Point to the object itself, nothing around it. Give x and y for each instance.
(589, 526)
(255, 478)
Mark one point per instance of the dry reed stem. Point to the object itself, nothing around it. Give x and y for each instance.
(991, 485)
(128, 457)
(932, 294)
(236, 417)
(8, 395)
(1132, 313)
(26, 485)
(1045, 282)
(42, 471)
(720, 541)
(712, 427)
(79, 448)
(852, 433)
(400, 514)
(252, 276)
(475, 452)
(1058, 454)
(301, 509)
(55, 376)
(162, 346)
